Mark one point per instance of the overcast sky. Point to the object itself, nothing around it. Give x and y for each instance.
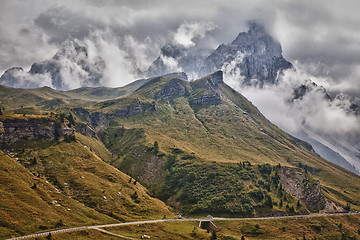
(322, 37)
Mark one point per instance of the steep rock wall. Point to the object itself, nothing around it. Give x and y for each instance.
(12, 130)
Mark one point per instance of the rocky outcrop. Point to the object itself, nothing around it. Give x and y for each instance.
(206, 90)
(307, 87)
(98, 119)
(174, 87)
(85, 129)
(301, 186)
(12, 130)
(208, 97)
(298, 184)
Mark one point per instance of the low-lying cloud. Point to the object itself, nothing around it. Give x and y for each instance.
(312, 115)
(313, 110)
(187, 32)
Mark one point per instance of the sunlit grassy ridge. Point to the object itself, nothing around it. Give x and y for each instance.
(232, 130)
(67, 183)
(29, 203)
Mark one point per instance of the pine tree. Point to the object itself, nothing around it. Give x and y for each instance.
(213, 236)
(156, 147)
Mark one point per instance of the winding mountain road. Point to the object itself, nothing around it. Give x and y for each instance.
(98, 227)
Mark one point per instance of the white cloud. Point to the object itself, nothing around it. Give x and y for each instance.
(171, 63)
(141, 51)
(31, 81)
(187, 32)
(119, 69)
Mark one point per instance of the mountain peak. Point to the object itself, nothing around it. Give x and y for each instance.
(172, 50)
(257, 42)
(70, 49)
(256, 29)
(255, 53)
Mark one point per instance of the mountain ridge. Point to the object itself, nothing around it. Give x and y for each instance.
(199, 146)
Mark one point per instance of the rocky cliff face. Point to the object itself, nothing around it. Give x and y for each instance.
(208, 94)
(297, 183)
(12, 130)
(255, 53)
(172, 88)
(99, 119)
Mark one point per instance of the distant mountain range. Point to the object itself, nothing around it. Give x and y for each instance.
(254, 55)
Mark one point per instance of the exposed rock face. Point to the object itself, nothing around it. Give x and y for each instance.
(69, 68)
(215, 78)
(209, 84)
(299, 185)
(85, 129)
(255, 53)
(12, 130)
(209, 97)
(307, 87)
(173, 88)
(99, 119)
(355, 108)
(96, 119)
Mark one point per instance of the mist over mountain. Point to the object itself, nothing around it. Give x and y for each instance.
(300, 70)
(71, 67)
(255, 53)
(253, 64)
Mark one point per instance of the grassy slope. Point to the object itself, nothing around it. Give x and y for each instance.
(46, 98)
(212, 132)
(24, 209)
(80, 181)
(96, 146)
(81, 174)
(104, 93)
(229, 132)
